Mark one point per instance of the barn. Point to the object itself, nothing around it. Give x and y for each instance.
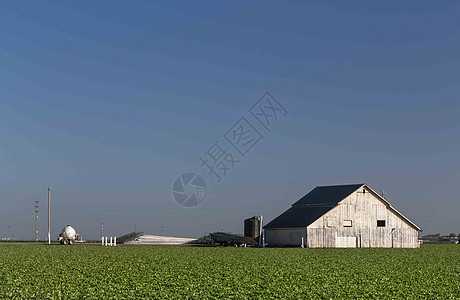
(342, 216)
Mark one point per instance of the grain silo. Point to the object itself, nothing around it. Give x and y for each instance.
(253, 227)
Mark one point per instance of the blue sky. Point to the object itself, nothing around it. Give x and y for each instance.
(109, 102)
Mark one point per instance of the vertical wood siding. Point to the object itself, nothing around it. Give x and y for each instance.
(363, 210)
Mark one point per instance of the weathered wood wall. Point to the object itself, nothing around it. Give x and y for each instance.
(363, 210)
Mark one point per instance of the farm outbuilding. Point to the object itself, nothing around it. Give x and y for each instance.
(342, 216)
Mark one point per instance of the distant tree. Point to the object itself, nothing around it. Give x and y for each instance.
(452, 235)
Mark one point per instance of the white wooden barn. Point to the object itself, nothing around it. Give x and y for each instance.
(342, 216)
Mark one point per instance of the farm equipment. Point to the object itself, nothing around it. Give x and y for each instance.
(67, 236)
(228, 239)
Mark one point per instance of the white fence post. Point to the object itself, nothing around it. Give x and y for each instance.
(106, 242)
(302, 245)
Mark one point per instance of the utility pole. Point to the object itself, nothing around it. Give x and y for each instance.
(36, 220)
(49, 216)
(135, 228)
(382, 193)
(102, 230)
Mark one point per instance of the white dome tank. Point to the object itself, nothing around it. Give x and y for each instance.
(68, 232)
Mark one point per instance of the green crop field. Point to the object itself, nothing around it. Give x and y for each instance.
(53, 272)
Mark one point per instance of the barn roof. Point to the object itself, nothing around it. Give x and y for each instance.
(318, 202)
(299, 216)
(313, 205)
(332, 194)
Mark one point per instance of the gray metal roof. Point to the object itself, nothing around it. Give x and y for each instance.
(299, 216)
(332, 194)
(312, 206)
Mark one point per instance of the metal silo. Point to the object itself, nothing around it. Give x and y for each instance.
(252, 228)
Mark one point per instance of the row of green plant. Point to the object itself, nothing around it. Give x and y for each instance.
(147, 272)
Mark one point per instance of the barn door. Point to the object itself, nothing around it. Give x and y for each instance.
(346, 241)
(395, 238)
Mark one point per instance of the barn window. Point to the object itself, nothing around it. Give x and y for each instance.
(347, 223)
(381, 223)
